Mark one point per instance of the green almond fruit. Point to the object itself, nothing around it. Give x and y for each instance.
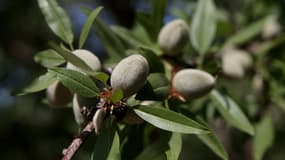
(130, 74)
(88, 57)
(240, 56)
(58, 96)
(232, 70)
(193, 83)
(271, 27)
(98, 120)
(173, 37)
(235, 62)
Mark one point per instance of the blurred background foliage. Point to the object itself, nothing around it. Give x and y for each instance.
(29, 129)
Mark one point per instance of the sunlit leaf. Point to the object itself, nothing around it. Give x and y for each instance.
(263, 138)
(117, 95)
(76, 82)
(175, 146)
(38, 84)
(169, 120)
(203, 26)
(231, 112)
(57, 19)
(49, 58)
(101, 76)
(87, 26)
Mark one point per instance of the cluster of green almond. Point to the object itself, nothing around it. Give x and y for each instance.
(131, 74)
(189, 83)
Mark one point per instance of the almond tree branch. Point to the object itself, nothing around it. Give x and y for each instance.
(68, 153)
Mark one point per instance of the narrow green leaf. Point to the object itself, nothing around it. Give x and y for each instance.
(214, 144)
(175, 146)
(182, 14)
(38, 84)
(117, 95)
(101, 76)
(247, 33)
(231, 112)
(110, 41)
(127, 36)
(107, 146)
(49, 58)
(70, 57)
(76, 82)
(153, 22)
(212, 141)
(144, 19)
(87, 26)
(203, 26)
(263, 138)
(57, 19)
(170, 120)
(158, 12)
(140, 33)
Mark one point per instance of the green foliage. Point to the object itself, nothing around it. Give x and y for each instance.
(168, 114)
(57, 19)
(128, 37)
(86, 28)
(175, 145)
(264, 137)
(68, 56)
(117, 95)
(169, 120)
(152, 22)
(41, 83)
(107, 146)
(111, 42)
(212, 141)
(155, 65)
(49, 58)
(231, 112)
(203, 26)
(76, 82)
